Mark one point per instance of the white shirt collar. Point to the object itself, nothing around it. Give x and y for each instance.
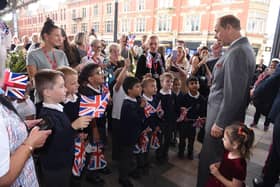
(165, 93)
(130, 98)
(236, 40)
(94, 89)
(194, 96)
(57, 106)
(148, 98)
(71, 98)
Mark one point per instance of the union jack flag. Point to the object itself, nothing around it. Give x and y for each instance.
(80, 156)
(150, 110)
(143, 143)
(94, 106)
(97, 160)
(130, 42)
(14, 84)
(149, 61)
(199, 122)
(155, 144)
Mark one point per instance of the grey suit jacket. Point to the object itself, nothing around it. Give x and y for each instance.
(232, 77)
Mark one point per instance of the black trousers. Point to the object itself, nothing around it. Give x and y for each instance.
(186, 131)
(56, 178)
(165, 139)
(257, 116)
(115, 139)
(271, 174)
(126, 162)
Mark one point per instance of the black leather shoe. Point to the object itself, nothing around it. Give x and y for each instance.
(126, 183)
(257, 182)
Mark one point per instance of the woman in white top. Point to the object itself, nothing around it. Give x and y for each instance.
(16, 146)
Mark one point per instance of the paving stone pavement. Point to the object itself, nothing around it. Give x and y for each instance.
(182, 173)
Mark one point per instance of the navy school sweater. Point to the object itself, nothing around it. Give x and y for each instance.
(131, 122)
(58, 150)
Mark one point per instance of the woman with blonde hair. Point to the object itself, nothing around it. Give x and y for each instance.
(178, 65)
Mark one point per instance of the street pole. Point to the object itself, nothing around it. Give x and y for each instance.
(116, 21)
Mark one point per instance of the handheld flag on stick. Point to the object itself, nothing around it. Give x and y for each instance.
(15, 84)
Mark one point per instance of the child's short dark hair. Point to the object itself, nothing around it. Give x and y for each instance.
(191, 78)
(129, 82)
(86, 73)
(45, 79)
(146, 81)
(243, 136)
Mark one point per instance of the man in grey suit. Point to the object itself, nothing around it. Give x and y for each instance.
(229, 94)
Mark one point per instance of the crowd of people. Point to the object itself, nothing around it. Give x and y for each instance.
(155, 101)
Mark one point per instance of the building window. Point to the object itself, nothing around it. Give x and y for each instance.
(73, 14)
(74, 28)
(95, 10)
(227, 1)
(164, 23)
(108, 26)
(125, 25)
(84, 12)
(195, 2)
(64, 12)
(165, 3)
(95, 26)
(140, 24)
(84, 27)
(256, 23)
(261, 1)
(140, 5)
(192, 23)
(109, 8)
(126, 4)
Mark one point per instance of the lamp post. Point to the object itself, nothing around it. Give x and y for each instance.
(116, 21)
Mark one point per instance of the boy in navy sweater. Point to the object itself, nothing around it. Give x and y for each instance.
(56, 157)
(194, 105)
(131, 122)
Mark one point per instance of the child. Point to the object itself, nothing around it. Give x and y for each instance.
(118, 98)
(153, 112)
(177, 84)
(56, 157)
(130, 128)
(231, 171)
(71, 107)
(168, 104)
(91, 80)
(194, 105)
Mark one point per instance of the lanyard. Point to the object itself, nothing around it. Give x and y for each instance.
(52, 62)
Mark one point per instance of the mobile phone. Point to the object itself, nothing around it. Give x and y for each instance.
(45, 124)
(174, 56)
